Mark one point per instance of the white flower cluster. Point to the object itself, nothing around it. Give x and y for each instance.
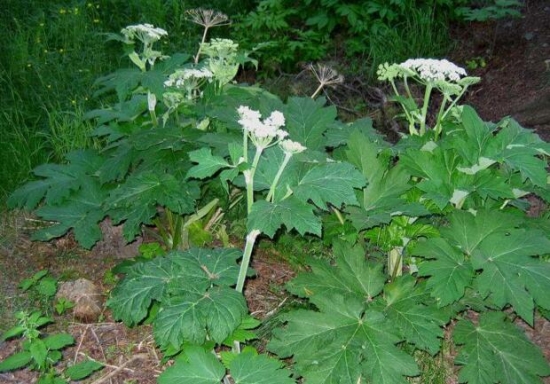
(147, 33)
(181, 77)
(434, 70)
(291, 147)
(263, 132)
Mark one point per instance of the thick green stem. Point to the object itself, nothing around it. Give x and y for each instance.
(271, 193)
(249, 246)
(395, 262)
(249, 179)
(424, 115)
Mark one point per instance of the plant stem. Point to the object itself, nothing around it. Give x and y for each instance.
(270, 195)
(249, 246)
(319, 88)
(427, 95)
(249, 179)
(395, 262)
(200, 45)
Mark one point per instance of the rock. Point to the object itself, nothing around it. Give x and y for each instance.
(86, 296)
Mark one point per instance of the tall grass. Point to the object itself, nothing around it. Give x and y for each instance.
(52, 52)
(421, 34)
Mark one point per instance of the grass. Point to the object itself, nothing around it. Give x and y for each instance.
(53, 51)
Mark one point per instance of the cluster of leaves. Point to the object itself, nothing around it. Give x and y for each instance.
(287, 33)
(491, 10)
(43, 353)
(475, 251)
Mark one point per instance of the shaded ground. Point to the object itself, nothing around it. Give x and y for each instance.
(515, 81)
(516, 77)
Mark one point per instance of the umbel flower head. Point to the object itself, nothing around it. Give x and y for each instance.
(262, 133)
(146, 33)
(433, 70)
(427, 70)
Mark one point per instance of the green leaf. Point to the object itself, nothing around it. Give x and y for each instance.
(16, 361)
(47, 286)
(13, 332)
(329, 183)
(82, 370)
(58, 180)
(510, 272)
(420, 324)
(495, 350)
(202, 367)
(136, 200)
(244, 332)
(194, 292)
(343, 343)
(383, 195)
(294, 214)
(251, 368)
(520, 149)
(352, 276)
(58, 341)
(468, 230)
(81, 212)
(39, 352)
(131, 299)
(307, 120)
(207, 164)
(447, 268)
(191, 317)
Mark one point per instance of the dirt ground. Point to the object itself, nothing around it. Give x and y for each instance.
(515, 81)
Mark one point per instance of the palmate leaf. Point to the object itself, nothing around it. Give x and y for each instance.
(353, 276)
(131, 299)
(194, 317)
(329, 183)
(293, 213)
(201, 367)
(136, 200)
(510, 272)
(193, 290)
(408, 306)
(343, 343)
(495, 350)
(207, 164)
(251, 368)
(382, 197)
(307, 120)
(57, 181)
(447, 267)
(520, 148)
(81, 212)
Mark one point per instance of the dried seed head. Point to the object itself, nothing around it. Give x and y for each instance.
(325, 74)
(207, 17)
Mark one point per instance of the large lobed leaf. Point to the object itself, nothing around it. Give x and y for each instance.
(307, 120)
(57, 181)
(194, 291)
(353, 336)
(343, 343)
(505, 256)
(386, 186)
(495, 350)
(353, 276)
(136, 201)
(408, 306)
